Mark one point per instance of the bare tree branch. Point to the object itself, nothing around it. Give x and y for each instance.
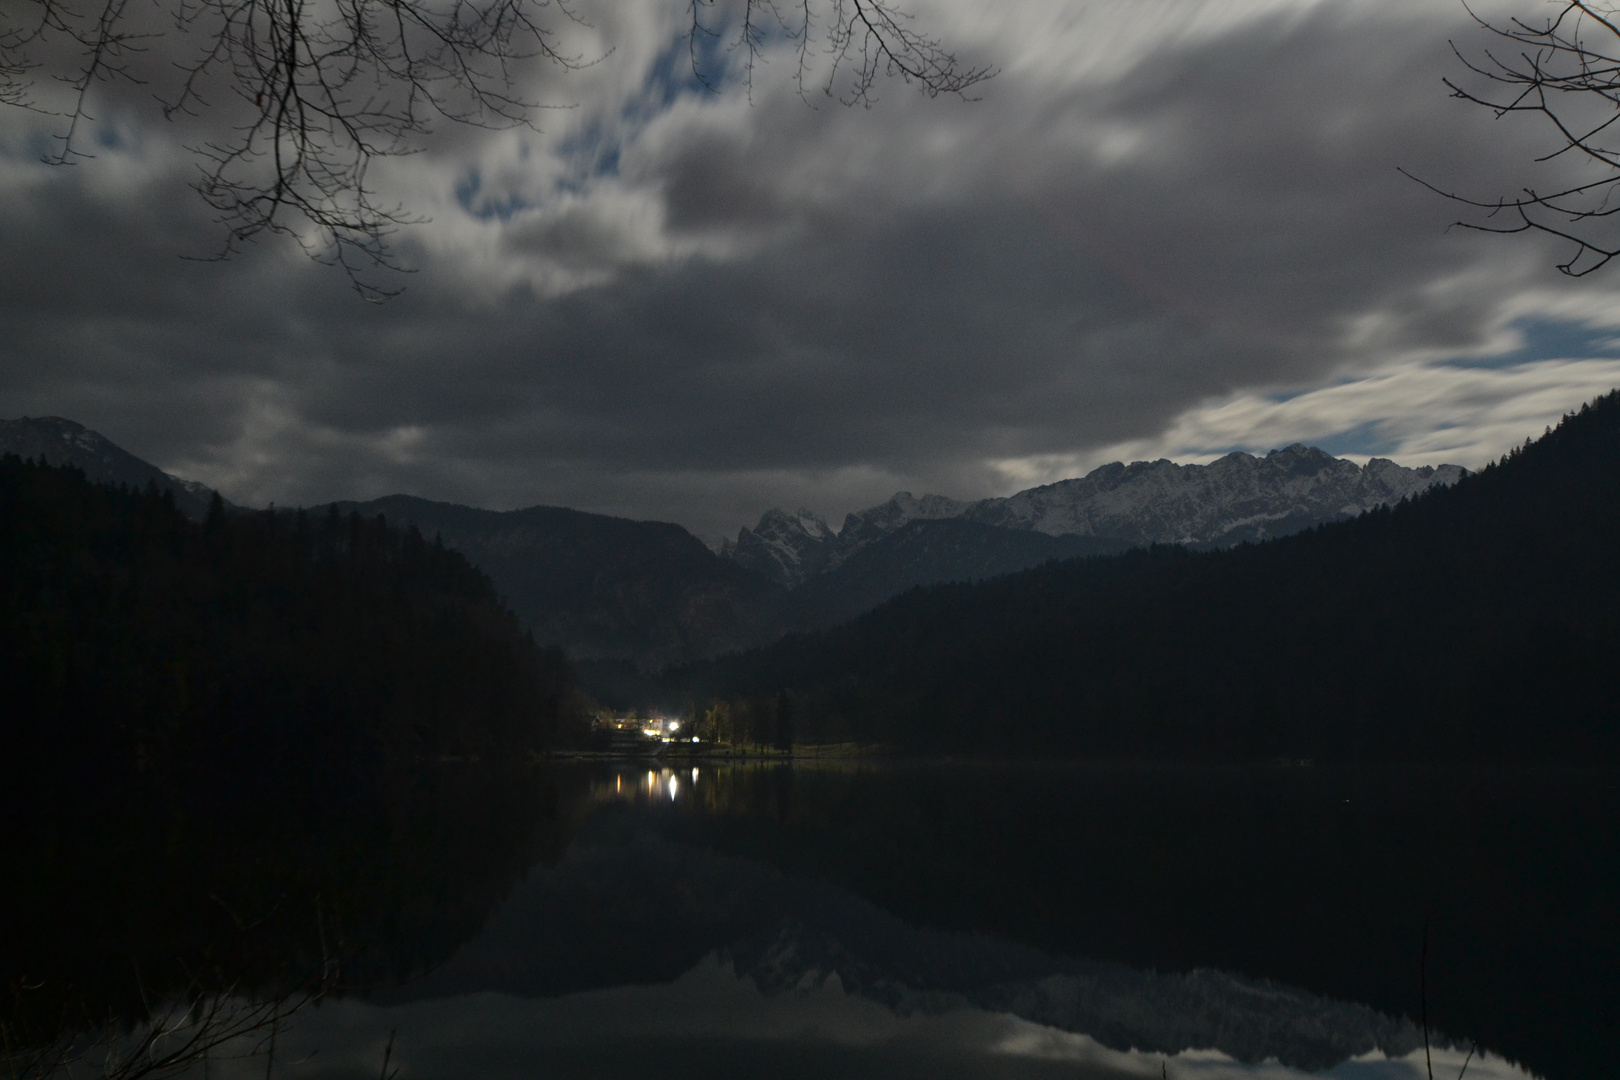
(1565, 70)
(319, 89)
(212, 1012)
(864, 40)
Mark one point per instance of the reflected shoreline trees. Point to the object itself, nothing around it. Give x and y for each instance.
(166, 923)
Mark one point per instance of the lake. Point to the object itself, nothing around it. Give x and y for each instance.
(610, 919)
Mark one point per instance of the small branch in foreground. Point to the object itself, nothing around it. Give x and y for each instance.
(1566, 71)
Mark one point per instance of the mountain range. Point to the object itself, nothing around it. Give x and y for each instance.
(1479, 620)
(653, 594)
(599, 586)
(1237, 498)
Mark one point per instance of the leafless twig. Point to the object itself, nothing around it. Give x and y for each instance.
(864, 40)
(317, 90)
(1564, 69)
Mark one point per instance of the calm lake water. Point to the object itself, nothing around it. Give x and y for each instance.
(938, 920)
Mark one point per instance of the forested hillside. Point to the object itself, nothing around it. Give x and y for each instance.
(602, 586)
(55, 440)
(1474, 622)
(263, 645)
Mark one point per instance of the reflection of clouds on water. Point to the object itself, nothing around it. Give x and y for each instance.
(1448, 1063)
(714, 1022)
(1034, 1041)
(637, 957)
(641, 953)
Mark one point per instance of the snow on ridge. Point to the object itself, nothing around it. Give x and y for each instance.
(1235, 498)
(1228, 500)
(63, 442)
(864, 526)
(787, 548)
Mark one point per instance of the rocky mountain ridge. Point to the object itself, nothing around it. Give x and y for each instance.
(787, 548)
(650, 593)
(1237, 498)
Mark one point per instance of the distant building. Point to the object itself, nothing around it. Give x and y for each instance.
(662, 728)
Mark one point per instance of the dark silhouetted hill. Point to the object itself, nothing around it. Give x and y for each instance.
(600, 587)
(253, 646)
(927, 552)
(603, 587)
(62, 442)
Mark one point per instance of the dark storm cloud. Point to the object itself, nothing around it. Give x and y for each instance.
(712, 181)
(870, 310)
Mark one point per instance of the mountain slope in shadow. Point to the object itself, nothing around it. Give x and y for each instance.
(599, 586)
(63, 442)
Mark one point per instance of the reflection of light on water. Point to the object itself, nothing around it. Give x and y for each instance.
(653, 786)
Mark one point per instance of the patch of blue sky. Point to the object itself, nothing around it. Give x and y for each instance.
(1367, 438)
(1547, 339)
(591, 153)
(110, 137)
(471, 197)
(37, 146)
(46, 146)
(700, 64)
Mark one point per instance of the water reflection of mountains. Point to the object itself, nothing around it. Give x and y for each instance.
(644, 910)
(1317, 878)
(1281, 909)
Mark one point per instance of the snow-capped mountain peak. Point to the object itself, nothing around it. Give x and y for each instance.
(864, 526)
(787, 548)
(1239, 497)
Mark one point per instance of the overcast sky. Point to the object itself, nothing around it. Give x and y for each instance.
(1166, 228)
